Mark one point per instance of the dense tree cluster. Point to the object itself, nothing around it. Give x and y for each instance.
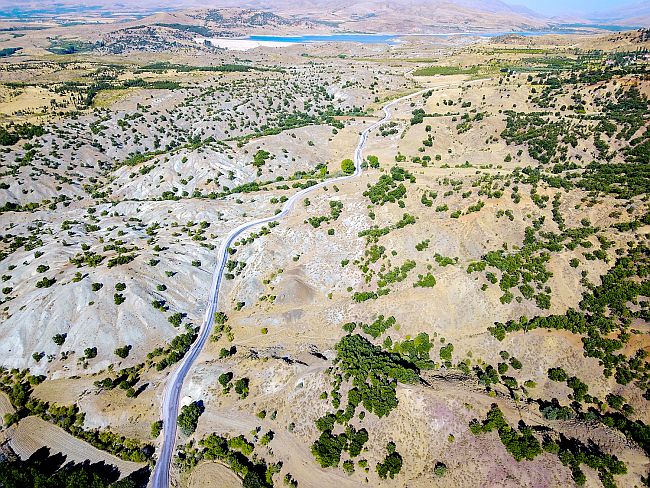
(605, 309)
(389, 188)
(11, 134)
(236, 454)
(375, 329)
(373, 374)
(541, 135)
(176, 349)
(392, 463)
(415, 351)
(522, 444)
(328, 447)
(188, 418)
(526, 267)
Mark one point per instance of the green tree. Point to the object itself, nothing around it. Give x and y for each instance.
(391, 465)
(156, 428)
(188, 419)
(59, 339)
(123, 351)
(347, 165)
(557, 374)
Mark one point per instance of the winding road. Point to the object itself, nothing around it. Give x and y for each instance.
(160, 478)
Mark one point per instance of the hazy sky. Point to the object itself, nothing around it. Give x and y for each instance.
(568, 6)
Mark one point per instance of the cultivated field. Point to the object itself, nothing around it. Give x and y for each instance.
(33, 433)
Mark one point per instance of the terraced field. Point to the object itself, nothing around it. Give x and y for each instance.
(5, 405)
(33, 433)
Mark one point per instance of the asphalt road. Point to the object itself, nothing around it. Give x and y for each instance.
(160, 477)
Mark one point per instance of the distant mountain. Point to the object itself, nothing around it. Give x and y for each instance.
(404, 16)
(365, 15)
(634, 13)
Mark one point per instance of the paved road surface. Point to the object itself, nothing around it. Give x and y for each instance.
(160, 478)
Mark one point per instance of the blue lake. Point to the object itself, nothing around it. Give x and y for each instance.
(361, 38)
(392, 39)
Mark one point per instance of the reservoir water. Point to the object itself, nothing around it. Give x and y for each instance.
(392, 39)
(360, 38)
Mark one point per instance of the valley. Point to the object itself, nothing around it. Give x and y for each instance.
(410, 264)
